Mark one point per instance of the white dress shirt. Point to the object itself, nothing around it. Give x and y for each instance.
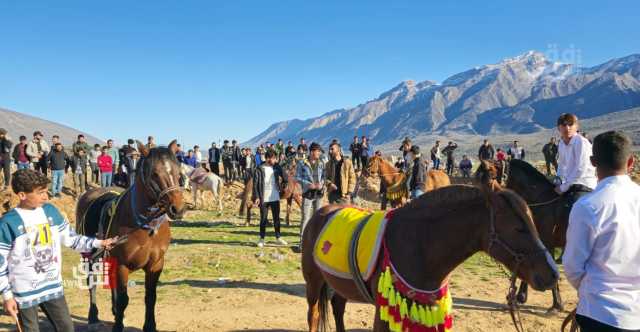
(602, 255)
(574, 166)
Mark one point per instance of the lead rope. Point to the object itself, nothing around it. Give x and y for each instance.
(570, 321)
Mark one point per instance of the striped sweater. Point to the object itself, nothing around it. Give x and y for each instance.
(30, 253)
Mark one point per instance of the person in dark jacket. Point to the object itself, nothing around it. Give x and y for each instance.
(227, 156)
(550, 152)
(364, 152)
(57, 161)
(214, 159)
(5, 156)
(448, 152)
(20, 156)
(486, 151)
(268, 182)
(418, 171)
(355, 153)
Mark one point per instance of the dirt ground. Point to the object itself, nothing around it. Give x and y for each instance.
(216, 279)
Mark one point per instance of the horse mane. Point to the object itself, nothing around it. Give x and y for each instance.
(529, 171)
(445, 196)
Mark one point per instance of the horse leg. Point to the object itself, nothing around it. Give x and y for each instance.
(93, 320)
(557, 300)
(150, 283)
(194, 190)
(248, 223)
(289, 203)
(122, 299)
(338, 303)
(378, 324)
(523, 293)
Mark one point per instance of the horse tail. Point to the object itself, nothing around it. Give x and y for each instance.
(323, 307)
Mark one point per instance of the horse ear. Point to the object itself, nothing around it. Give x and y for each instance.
(142, 148)
(173, 146)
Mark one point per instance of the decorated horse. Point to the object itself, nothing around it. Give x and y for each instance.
(292, 193)
(200, 181)
(395, 180)
(140, 217)
(550, 210)
(401, 261)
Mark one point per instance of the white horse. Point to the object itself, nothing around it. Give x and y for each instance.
(210, 182)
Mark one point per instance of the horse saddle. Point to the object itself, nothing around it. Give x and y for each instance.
(331, 250)
(199, 176)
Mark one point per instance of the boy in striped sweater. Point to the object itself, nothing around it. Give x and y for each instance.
(31, 236)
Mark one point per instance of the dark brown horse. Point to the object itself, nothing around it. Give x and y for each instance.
(140, 217)
(396, 180)
(292, 192)
(427, 239)
(550, 210)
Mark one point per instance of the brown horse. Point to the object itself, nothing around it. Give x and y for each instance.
(550, 210)
(139, 217)
(292, 192)
(427, 239)
(396, 180)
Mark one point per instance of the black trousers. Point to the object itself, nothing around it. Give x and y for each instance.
(56, 311)
(355, 160)
(6, 169)
(591, 325)
(215, 168)
(450, 165)
(275, 213)
(365, 161)
(228, 171)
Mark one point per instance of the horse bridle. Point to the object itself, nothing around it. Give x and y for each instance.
(494, 238)
(158, 193)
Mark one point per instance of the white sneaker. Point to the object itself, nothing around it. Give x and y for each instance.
(261, 243)
(281, 241)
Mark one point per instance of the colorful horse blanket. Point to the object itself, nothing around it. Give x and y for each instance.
(331, 250)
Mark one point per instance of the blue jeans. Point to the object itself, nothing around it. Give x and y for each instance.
(57, 179)
(24, 165)
(105, 179)
(436, 163)
(416, 193)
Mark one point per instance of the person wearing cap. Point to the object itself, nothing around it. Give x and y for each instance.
(38, 150)
(575, 171)
(310, 172)
(341, 177)
(5, 156)
(602, 256)
(418, 172)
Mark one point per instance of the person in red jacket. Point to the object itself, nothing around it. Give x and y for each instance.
(105, 165)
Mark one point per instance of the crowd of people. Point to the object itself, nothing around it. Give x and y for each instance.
(601, 259)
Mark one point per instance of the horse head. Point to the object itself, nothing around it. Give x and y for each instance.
(513, 239)
(160, 177)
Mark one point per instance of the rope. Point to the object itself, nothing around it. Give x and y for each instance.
(544, 203)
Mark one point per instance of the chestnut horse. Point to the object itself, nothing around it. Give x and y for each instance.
(550, 210)
(427, 238)
(292, 192)
(396, 180)
(139, 217)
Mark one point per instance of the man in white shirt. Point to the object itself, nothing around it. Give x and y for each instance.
(267, 182)
(516, 151)
(574, 167)
(602, 255)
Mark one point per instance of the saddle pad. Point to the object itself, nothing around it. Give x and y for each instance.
(331, 250)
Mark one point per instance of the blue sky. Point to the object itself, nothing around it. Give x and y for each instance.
(207, 70)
